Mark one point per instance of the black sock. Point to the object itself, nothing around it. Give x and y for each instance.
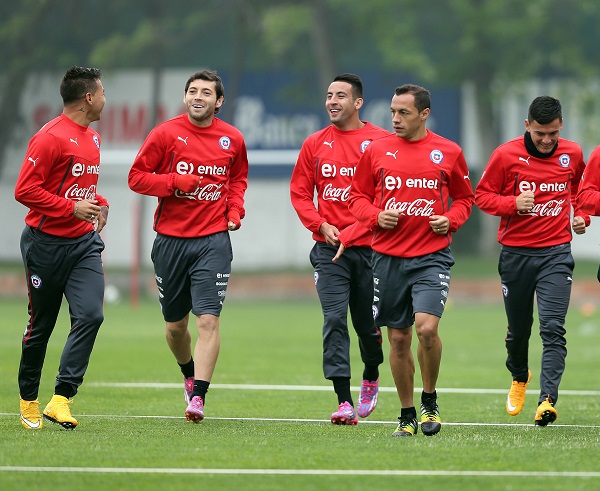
(428, 396)
(408, 412)
(65, 390)
(201, 388)
(371, 373)
(187, 368)
(341, 386)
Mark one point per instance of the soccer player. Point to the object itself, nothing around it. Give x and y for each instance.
(531, 183)
(61, 249)
(402, 190)
(588, 197)
(341, 256)
(196, 164)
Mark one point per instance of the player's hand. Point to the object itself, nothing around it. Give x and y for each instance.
(578, 225)
(87, 210)
(331, 233)
(339, 252)
(439, 224)
(102, 218)
(525, 201)
(188, 183)
(234, 220)
(388, 219)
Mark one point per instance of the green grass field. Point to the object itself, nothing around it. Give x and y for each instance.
(267, 413)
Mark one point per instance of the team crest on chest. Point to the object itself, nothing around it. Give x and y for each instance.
(225, 142)
(436, 156)
(564, 160)
(96, 141)
(364, 145)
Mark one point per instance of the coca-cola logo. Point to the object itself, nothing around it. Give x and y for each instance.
(209, 192)
(77, 193)
(551, 208)
(335, 194)
(418, 208)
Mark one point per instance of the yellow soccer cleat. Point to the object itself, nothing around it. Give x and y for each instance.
(545, 413)
(516, 396)
(30, 414)
(431, 421)
(58, 411)
(408, 426)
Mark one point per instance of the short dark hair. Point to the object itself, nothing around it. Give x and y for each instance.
(354, 81)
(544, 109)
(210, 76)
(77, 82)
(421, 95)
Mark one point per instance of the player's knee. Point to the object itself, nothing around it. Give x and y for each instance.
(427, 332)
(93, 318)
(333, 322)
(400, 339)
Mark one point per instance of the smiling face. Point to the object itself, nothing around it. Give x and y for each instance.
(544, 136)
(341, 105)
(201, 101)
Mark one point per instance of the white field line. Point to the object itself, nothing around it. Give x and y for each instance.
(300, 472)
(315, 388)
(151, 385)
(308, 420)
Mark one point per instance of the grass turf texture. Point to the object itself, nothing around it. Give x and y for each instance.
(141, 431)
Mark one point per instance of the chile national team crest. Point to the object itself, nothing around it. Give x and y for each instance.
(436, 156)
(564, 160)
(225, 142)
(36, 281)
(364, 145)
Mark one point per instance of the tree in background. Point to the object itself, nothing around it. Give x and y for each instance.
(454, 43)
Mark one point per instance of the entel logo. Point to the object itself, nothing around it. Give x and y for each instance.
(183, 167)
(331, 170)
(394, 182)
(78, 169)
(544, 187)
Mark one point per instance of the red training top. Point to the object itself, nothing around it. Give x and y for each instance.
(326, 162)
(61, 166)
(554, 181)
(217, 153)
(418, 178)
(588, 197)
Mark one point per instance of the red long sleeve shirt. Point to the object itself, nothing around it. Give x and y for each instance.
(588, 196)
(326, 163)
(217, 153)
(417, 178)
(554, 181)
(61, 167)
